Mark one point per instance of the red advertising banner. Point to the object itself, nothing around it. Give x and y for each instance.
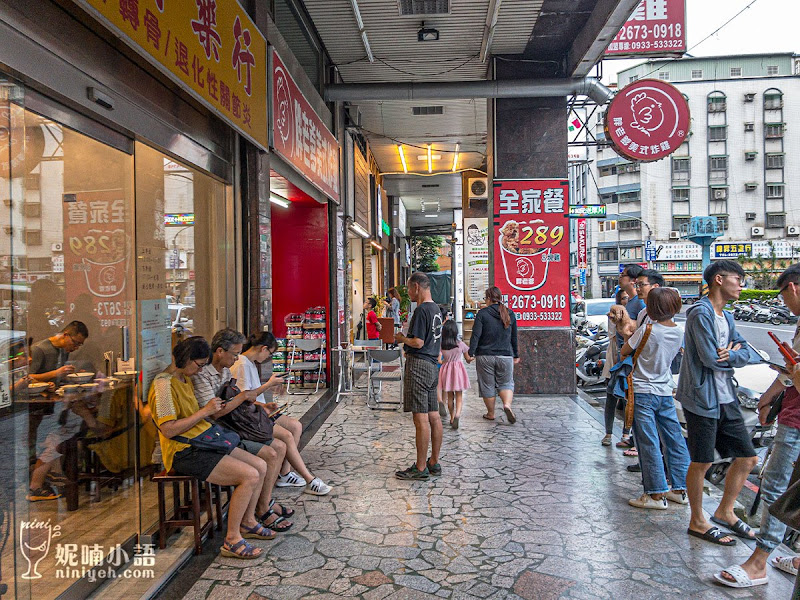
(300, 136)
(647, 120)
(656, 28)
(531, 250)
(582, 244)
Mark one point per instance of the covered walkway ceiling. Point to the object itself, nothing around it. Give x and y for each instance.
(564, 38)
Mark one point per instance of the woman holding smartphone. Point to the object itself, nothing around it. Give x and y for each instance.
(258, 349)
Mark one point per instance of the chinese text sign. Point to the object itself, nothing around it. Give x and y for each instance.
(476, 260)
(299, 134)
(210, 47)
(531, 250)
(656, 28)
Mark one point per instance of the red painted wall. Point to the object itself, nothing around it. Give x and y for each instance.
(300, 277)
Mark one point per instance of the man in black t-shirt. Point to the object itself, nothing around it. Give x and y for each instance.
(421, 377)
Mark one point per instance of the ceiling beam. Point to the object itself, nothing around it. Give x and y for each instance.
(488, 28)
(591, 42)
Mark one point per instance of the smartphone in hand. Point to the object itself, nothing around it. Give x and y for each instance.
(789, 356)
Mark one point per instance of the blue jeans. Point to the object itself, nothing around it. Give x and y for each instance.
(785, 450)
(654, 415)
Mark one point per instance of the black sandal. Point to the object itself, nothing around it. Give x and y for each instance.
(279, 525)
(739, 529)
(713, 535)
(285, 512)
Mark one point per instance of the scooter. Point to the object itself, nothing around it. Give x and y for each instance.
(589, 362)
(780, 315)
(745, 311)
(761, 314)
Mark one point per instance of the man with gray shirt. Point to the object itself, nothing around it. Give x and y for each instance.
(49, 357)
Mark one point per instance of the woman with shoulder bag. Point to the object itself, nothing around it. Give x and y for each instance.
(612, 358)
(190, 445)
(654, 346)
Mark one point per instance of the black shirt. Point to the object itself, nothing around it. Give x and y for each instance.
(426, 324)
(490, 338)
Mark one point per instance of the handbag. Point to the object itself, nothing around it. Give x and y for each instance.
(787, 506)
(629, 392)
(214, 439)
(250, 421)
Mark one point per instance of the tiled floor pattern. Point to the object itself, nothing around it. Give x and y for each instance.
(536, 510)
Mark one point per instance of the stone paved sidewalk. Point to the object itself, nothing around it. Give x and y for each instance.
(537, 510)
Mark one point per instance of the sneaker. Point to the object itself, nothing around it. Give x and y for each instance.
(413, 472)
(434, 470)
(42, 493)
(647, 501)
(291, 479)
(677, 497)
(317, 487)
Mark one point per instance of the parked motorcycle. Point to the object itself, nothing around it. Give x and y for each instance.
(590, 360)
(761, 313)
(781, 315)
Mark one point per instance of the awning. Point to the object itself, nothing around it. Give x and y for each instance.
(692, 277)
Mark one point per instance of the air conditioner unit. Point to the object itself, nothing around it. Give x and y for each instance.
(793, 230)
(757, 231)
(750, 216)
(720, 194)
(479, 187)
(674, 235)
(57, 247)
(750, 155)
(749, 97)
(750, 186)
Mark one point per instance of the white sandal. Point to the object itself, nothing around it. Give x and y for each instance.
(784, 563)
(742, 579)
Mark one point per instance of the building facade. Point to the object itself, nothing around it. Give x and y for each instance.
(734, 165)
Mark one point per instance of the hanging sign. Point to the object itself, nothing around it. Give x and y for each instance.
(582, 251)
(300, 135)
(476, 260)
(210, 48)
(531, 250)
(647, 120)
(587, 211)
(656, 28)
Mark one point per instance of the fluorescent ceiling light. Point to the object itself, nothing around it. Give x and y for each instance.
(430, 160)
(358, 229)
(402, 157)
(279, 200)
(455, 158)
(375, 245)
(431, 215)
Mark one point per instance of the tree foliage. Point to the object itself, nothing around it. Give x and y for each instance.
(425, 251)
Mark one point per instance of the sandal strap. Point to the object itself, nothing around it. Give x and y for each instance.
(242, 548)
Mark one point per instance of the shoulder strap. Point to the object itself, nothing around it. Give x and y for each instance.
(647, 331)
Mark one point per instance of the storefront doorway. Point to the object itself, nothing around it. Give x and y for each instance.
(108, 235)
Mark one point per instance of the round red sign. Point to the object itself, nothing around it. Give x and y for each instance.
(647, 120)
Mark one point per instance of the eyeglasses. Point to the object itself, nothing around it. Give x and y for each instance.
(738, 278)
(786, 287)
(233, 354)
(639, 285)
(199, 364)
(77, 344)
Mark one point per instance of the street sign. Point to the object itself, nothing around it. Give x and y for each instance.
(656, 28)
(647, 120)
(650, 251)
(582, 276)
(587, 211)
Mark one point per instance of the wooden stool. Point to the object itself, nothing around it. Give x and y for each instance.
(218, 503)
(186, 513)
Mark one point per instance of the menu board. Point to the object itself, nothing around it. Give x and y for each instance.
(156, 339)
(476, 260)
(531, 250)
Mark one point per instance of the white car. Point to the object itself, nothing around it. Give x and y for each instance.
(595, 311)
(182, 316)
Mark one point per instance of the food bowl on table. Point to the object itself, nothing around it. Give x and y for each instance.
(82, 377)
(126, 375)
(89, 387)
(38, 388)
(72, 388)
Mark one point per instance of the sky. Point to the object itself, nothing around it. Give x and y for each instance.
(767, 26)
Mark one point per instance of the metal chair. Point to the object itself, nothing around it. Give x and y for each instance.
(385, 372)
(361, 367)
(303, 366)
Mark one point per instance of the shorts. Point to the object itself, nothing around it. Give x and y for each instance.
(420, 380)
(728, 435)
(494, 373)
(252, 447)
(197, 463)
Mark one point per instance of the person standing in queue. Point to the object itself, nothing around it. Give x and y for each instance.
(373, 325)
(422, 347)
(494, 343)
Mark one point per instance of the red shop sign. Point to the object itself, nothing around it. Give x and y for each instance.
(300, 136)
(531, 250)
(647, 120)
(656, 28)
(582, 243)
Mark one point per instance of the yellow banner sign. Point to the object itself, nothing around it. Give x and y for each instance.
(209, 47)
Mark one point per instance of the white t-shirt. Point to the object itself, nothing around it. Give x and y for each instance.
(643, 318)
(246, 374)
(721, 379)
(653, 374)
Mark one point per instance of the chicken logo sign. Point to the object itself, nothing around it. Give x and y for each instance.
(647, 120)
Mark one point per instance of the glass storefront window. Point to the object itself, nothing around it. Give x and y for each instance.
(113, 240)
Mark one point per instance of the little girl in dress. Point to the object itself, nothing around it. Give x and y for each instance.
(453, 379)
